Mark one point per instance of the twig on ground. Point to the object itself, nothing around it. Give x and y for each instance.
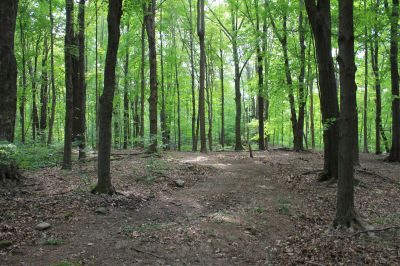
(376, 230)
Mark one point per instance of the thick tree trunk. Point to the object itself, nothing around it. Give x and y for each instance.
(394, 71)
(8, 81)
(320, 19)
(149, 18)
(68, 85)
(345, 210)
(104, 184)
(53, 86)
(79, 98)
(201, 34)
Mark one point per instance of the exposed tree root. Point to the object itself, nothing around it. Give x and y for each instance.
(101, 189)
(351, 222)
(376, 230)
(326, 176)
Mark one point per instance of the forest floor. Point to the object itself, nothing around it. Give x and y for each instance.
(231, 210)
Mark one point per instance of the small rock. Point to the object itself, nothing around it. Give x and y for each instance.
(43, 226)
(90, 244)
(101, 210)
(5, 243)
(179, 183)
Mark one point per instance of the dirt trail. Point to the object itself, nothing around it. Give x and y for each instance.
(233, 210)
(228, 217)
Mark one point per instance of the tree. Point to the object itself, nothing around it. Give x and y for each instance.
(319, 16)
(104, 184)
(345, 210)
(69, 34)
(201, 33)
(149, 20)
(8, 80)
(394, 71)
(53, 86)
(79, 95)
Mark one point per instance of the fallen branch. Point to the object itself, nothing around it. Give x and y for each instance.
(315, 171)
(376, 230)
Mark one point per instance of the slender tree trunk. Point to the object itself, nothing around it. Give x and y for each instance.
(150, 13)
(302, 93)
(163, 118)
(32, 73)
(345, 210)
(260, 96)
(222, 95)
(365, 122)
(43, 92)
(23, 96)
(68, 85)
(192, 78)
(201, 34)
(142, 81)
(394, 71)
(126, 94)
(53, 86)
(104, 184)
(320, 20)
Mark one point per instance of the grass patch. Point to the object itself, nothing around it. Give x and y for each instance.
(284, 206)
(52, 242)
(66, 263)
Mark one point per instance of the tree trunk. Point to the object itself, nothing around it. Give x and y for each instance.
(365, 121)
(201, 33)
(8, 81)
(142, 81)
(320, 19)
(23, 96)
(149, 18)
(32, 74)
(222, 97)
(345, 210)
(260, 96)
(67, 165)
(192, 78)
(104, 184)
(79, 98)
(126, 94)
(43, 92)
(302, 93)
(394, 71)
(53, 86)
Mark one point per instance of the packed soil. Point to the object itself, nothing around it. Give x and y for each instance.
(219, 208)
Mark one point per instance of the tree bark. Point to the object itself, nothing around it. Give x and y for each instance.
(53, 86)
(149, 18)
(222, 94)
(394, 71)
(23, 96)
(320, 20)
(104, 185)
(79, 98)
(43, 92)
(67, 165)
(192, 78)
(126, 94)
(8, 81)
(142, 81)
(260, 94)
(345, 210)
(365, 118)
(201, 33)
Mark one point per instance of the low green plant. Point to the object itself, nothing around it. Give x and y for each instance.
(283, 206)
(52, 242)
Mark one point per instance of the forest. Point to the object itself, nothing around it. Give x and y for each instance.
(201, 132)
